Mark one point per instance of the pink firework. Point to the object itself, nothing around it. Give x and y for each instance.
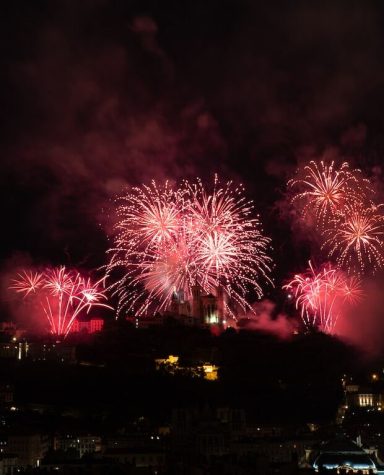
(27, 282)
(149, 215)
(356, 238)
(322, 190)
(150, 248)
(169, 270)
(322, 296)
(209, 239)
(62, 295)
(227, 239)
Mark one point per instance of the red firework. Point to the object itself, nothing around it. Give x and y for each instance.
(322, 296)
(62, 295)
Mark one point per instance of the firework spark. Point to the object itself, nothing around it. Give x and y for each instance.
(322, 296)
(227, 239)
(27, 282)
(149, 215)
(62, 295)
(322, 190)
(169, 240)
(356, 238)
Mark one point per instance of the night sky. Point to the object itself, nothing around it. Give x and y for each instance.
(97, 95)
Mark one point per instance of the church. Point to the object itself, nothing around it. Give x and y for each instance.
(201, 309)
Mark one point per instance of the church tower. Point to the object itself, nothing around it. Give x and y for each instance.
(196, 301)
(220, 303)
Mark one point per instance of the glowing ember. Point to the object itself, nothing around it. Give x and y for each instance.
(62, 295)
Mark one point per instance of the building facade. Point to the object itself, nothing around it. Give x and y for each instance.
(201, 308)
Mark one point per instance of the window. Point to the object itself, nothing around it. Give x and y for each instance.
(365, 400)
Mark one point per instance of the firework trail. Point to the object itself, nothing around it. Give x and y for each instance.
(322, 190)
(322, 296)
(62, 295)
(27, 282)
(356, 238)
(168, 240)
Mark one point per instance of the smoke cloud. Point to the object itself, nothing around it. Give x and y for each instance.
(267, 319)
(363, 326)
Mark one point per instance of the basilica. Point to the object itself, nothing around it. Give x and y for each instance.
(200, 309)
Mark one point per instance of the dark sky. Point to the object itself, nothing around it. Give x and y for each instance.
(99, 94)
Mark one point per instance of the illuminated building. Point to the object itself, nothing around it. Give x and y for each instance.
(142, 449)
(201, 309)
(171, 364)
(210, 372)
(171, 360)
(82, 444)
(92, 325)
(369, 400)
(60, 351)
(364, 397)
(30, 448)
(344, 456)
(14, 349)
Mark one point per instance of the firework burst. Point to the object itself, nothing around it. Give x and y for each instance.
(207, 239)
(322, 296)
(149, 247)
(322, 190)
(61, 294)
(356, 238)
(227, 239)
(27, 282)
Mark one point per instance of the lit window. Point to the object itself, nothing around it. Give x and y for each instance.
(365, 400)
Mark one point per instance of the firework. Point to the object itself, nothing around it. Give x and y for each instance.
(149, 247)
(356, 238)
(322, 296)
(168, 240)
(62, 295)
(27, 282)
(322, 190)
(227, 239)
(149, 216)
